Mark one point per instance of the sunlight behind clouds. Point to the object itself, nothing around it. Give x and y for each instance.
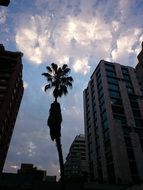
(81, 66)
(74, 38)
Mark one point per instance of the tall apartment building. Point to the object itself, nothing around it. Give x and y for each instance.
(76, 164)
(11, 91)
(139, 68)
(113, 114)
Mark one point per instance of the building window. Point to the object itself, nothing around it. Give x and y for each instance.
(133, 97)
(3, 87)
(99, 80)
(136, 113)
(105, 125)
(130, 90)
(111, 173)
(109, 67)
(117, 109)
(139, 131)
(98, 151)
(104, 115)
(1, 95)
(101, 99)
(128, 141)
(107, 146)
(114, 94)
(120, 118)
(102, 107)
(106, 135)
(127, 130)
(100, 92)
(97, 72)
(128, 84)
(113, 86)
(96, 131)
(134, 104)
(133, 167)
(141, 141)
(111, 74)
(109, 157)
(130, 154)
(116, 101)
(99, 86)
(112, 80)
(126, 77)
(139, 122)
(97, 141)
(124, 70)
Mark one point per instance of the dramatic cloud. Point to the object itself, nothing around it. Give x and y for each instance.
(127, 45)
(75, 38)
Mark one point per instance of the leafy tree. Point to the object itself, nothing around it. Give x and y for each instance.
(59, 80)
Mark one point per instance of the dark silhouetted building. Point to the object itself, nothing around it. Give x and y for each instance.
(113, 114)
(139, 68)
(4, 2)
(76, 164)
(32, 172)
(11, 91)
(28, 177)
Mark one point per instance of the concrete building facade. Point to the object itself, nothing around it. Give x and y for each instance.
(76, 164)
(11, 91)
(113, 114)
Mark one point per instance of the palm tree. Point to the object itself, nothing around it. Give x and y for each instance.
(58, 78)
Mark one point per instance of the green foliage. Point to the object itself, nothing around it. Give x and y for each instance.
(58, 79)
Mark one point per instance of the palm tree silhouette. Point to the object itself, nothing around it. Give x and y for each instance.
(58, 78)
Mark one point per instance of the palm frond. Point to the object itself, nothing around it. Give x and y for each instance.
(64, 66)
(70, 79)
(49, 69)
(63, 89)
(58, 79)
(69, 84)
(59, 72)
(66, 70)
(47, 87)
(54, 67)
(48, 76)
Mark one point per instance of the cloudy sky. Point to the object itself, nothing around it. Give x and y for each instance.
(79, 33)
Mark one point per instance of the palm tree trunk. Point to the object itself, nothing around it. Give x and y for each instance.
(60, 154)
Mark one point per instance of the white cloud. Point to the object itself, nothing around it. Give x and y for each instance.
(115, 25)
(25, 85)
(14, 167)
(32, 39)
(3, 15)
(81, 66)
(31, 148)
(126, 45)
(74, 39)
